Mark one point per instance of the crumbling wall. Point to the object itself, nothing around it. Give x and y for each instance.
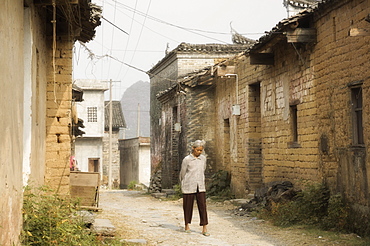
(58, 118)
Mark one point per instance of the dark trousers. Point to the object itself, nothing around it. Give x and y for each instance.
(188, 204)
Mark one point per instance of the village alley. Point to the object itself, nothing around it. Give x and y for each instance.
(143, 219)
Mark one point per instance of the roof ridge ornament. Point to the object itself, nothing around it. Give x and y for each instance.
(238, 38)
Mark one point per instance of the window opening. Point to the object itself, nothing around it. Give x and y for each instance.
(294, 118)
(358, 133)
(92, 114)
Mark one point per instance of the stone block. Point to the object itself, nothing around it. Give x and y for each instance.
(103, 227)
(159, 195)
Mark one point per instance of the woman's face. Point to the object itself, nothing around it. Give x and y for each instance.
(197, 151)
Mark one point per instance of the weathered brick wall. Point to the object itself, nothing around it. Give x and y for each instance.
(58, 139)
(292, 85)
(342, 60)
(289, 82)
(158, 83)
(170, 152)
(229, 136)
(315, 78)
(260, 139)
(200, 118)
(165, 75)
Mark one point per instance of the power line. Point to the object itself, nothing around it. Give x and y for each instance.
(93, 56)
(113, 24)
(128, 41)
(141, 31)
(167, 23)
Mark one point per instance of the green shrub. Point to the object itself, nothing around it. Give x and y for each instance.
(219, 185)
(132, 185)
(338, 214)
(312, 206)
(48, 220)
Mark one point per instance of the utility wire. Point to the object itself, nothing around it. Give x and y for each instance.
(93, 56)
(128, 41)
(141, 32)
(113, 24)
(167, 23)
(111, 42)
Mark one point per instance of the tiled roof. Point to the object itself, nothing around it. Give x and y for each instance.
(118, 120)
(227, 49)
(212, 48)
(302, 3)
(190, 79)
(283, 24)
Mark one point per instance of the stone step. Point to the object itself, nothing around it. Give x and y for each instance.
(103, 227)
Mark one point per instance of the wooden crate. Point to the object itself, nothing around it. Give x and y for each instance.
(85, 186)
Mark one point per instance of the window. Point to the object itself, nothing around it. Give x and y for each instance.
(294, 117)
(92, 114)
(358, 132)
(294, 127)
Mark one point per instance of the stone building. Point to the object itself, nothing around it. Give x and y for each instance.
(184, 59)
(118, 125)
(293, 106)
(36, 74)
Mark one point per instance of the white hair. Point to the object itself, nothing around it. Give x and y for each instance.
(198, 143)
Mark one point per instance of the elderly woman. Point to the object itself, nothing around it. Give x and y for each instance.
(193, 185)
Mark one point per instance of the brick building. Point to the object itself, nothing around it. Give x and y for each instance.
(301, 90)
(184, 59)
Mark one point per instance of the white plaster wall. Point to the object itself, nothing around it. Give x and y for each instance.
(144, 164)
(35, 70)
(11, 123)
(27, 96)
(93, 96)
(86, 148)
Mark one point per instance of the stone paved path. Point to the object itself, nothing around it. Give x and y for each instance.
(161, 222)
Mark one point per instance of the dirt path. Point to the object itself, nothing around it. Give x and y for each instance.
(139, 216)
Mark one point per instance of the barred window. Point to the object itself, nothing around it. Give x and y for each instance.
(358, 132)
(92, 114)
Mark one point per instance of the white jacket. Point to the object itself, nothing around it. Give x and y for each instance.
(192, 174)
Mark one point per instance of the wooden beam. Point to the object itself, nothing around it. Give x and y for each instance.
(301, 35)
(50, 2)
(356, 32)
(261, 58)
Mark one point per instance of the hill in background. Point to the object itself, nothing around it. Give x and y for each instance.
(137, 94)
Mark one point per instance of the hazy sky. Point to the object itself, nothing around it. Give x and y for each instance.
(152, 25)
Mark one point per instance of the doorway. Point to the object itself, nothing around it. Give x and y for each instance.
(94, 164)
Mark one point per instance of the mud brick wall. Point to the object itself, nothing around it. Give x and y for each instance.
(59, 97)
(261, 144)
(341, 63)
(162, 77)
